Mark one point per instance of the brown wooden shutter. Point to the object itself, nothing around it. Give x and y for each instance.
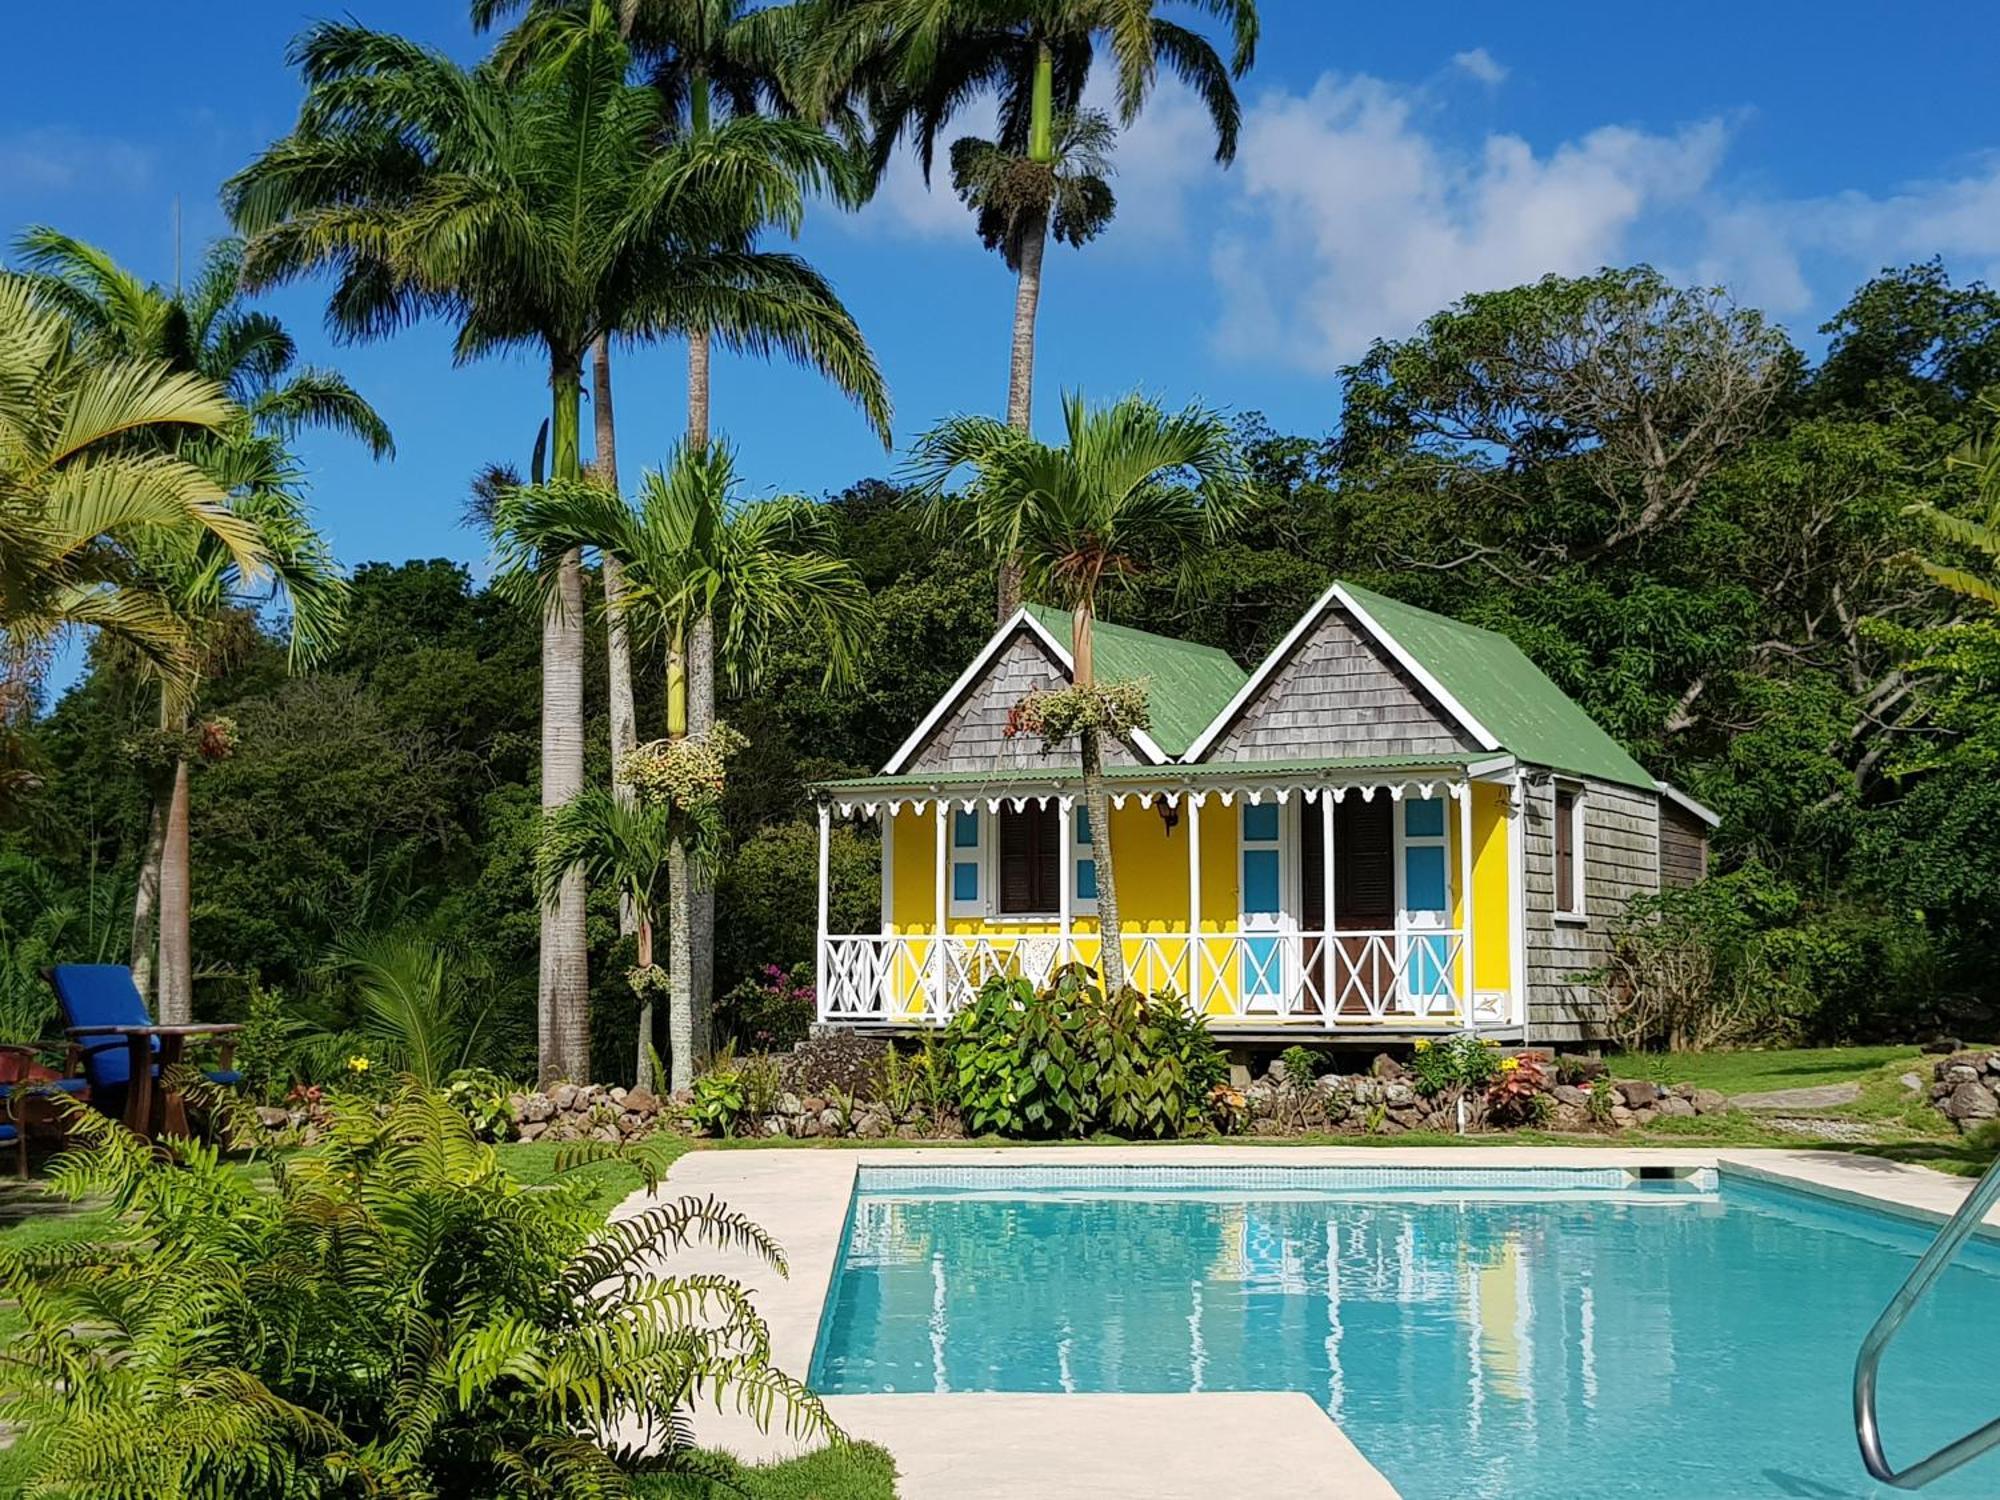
(1565, 850)
(1030, 860)
(1364, 870)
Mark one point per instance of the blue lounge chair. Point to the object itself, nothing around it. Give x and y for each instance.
(101, 1007)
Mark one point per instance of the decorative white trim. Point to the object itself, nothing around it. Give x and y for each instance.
(1681, 799)
(1336, 593)
(980, 663)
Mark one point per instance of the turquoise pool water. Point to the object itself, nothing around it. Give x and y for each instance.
(1473, 1335)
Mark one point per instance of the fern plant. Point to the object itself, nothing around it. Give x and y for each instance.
(396, 1318)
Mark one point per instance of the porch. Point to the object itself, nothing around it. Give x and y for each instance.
(1319, 898)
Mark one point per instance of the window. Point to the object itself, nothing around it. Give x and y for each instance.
(1084, 891)
(1569, 851)
(1030, 861)
(967, 859)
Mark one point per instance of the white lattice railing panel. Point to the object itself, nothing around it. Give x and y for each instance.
(1336, 980)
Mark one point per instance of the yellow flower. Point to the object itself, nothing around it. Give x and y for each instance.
(1488, 1042)
(357, 1064)
(1423, 1044)
(1509, 1064)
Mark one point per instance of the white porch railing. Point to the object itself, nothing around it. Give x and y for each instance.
(1333, 980)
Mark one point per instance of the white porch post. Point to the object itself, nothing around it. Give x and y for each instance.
(1066, 877)
(1329, 958)
(1465, 892)
(938, 929)
(819, 948)
(1192, 803)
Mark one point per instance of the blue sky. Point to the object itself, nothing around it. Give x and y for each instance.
(1393, 158)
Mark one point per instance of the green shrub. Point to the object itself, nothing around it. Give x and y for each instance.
(772, 1009)
(480, 1095)
(1458, 1062)
(393, 1316)
(721, 1097)
(1065, 1061)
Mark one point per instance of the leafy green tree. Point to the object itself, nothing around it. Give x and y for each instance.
(543, 209)
(763, 572)
(913, 65)
(393, 1315)
(1135, 486)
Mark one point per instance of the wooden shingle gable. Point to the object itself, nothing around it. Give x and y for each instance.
(1336, 688)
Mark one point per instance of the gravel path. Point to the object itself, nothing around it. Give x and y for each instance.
(1823, 1096)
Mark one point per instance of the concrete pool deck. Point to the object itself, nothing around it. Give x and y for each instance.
(1164, 1447)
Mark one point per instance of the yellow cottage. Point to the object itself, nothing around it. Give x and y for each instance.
(1395, 825)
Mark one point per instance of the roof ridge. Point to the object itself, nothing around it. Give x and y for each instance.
(1046, 612)
(1435, 614)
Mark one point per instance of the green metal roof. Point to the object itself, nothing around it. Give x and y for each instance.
(1494, 681)
(1190, 684)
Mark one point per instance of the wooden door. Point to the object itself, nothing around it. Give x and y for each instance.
(1364, 901)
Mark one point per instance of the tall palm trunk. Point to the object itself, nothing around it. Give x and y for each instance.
(146, 901)
(681, 1038)
(563, 1008)
(1097, 807)
(176, 978)
(701, 938)
(624, 725)
(643, 1075)
(1028, 300)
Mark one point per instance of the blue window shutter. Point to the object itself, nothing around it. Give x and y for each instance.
(965, 881)
(1261, 823)
(1082, 825)
(1260, 879)
(1086, 880)
(1423, 817)
(1423, 878)
(965, 829)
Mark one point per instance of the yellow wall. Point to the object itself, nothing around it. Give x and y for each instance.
(1153, 891)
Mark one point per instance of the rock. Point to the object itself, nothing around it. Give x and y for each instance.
(1568, 1095)
(813, 1104)
(606, 1133)
(1961, 1073)
(1943, 1044)
(805, 1127)
(1969, 1101)
(516, 1103)
(533, 1130)
(1620, 1115)
(1682, 1090)
(789, 1104)
(1637, 1092)
(539, 1107)
(1710, 1101)
(1398, 1095)
(565, 1096)
(1645, 1115)
(829, 1122)
(629, 1123)
(643, 1102)
(1572, 1117)
(872, 1126)
(617, 1095)
(774, 1125)
(1911, 1082)
(1386, 1067)
(1675, 1107)
(1365, 1090)
(1585, 1069)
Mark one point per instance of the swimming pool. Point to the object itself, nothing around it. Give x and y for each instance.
(1482, 1333)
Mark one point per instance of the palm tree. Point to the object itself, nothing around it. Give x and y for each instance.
(543, 209)
(766, 572)
(915, 64)
(628, 843)
(1134, 487)
(207, 330)
(1979, 456)
(707, 59)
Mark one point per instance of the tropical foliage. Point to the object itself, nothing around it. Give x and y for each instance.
(395, 1316)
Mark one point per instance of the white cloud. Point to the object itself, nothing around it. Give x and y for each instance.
(1353, 219)
(53, 159)
(1478, 63)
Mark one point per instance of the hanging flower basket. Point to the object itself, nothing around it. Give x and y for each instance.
(1061, 714)
(687, 773)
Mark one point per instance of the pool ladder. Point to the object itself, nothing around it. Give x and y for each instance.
(1955, 1232)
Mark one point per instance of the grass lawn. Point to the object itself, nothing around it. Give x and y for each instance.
(1762, 1072)
(860, 1471)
